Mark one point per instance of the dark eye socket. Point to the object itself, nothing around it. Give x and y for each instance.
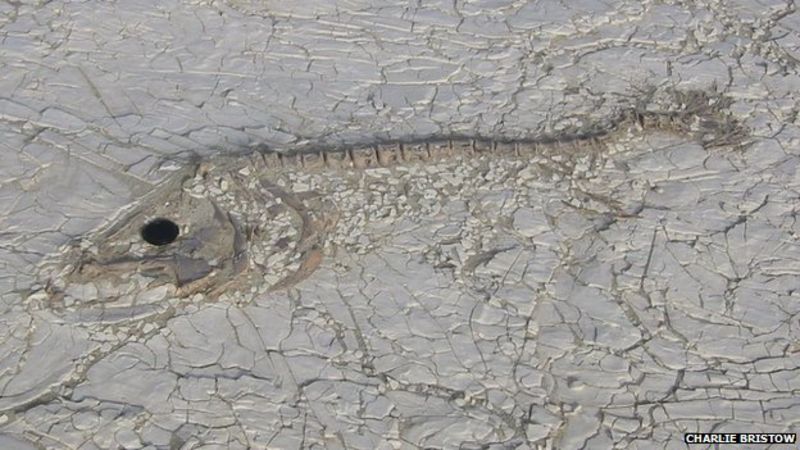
(160, 232)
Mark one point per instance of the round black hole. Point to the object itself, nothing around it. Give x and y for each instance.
(160, 232)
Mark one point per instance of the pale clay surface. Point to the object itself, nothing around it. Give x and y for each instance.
(472, 303)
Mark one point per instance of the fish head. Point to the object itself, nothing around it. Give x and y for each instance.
(176, 237)
(199, 232)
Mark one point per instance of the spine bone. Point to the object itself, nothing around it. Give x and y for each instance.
(592, 140)
(416, 152)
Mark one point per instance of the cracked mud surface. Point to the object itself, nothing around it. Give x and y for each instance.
(611, 293)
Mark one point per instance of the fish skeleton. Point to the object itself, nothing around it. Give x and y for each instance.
(250, 224)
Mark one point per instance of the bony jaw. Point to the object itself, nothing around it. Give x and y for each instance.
(227, 223)
(209, 248)
(204, 246)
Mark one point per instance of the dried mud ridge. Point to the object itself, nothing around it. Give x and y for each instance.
(243, 231)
